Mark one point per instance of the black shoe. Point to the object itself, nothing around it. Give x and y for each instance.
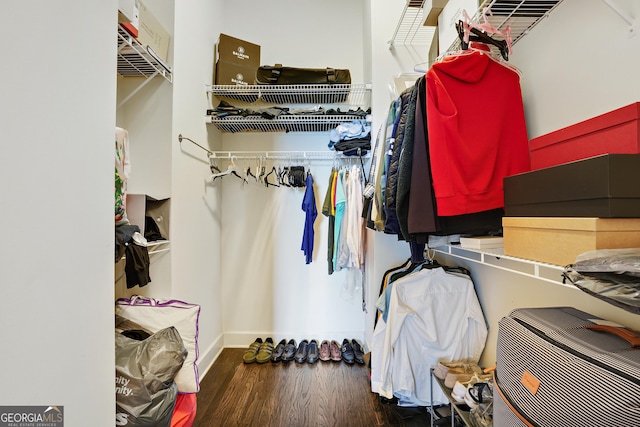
(347, 352)
(289, 351)
(312, 352)
(278, 352)
(358, 354)
(301, 354)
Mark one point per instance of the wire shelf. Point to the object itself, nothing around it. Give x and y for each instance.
(410, 29)
(135, 60)
(351, 94)
(302, 123)
(520, 15)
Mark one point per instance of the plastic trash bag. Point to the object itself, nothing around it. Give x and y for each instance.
(145, 370)
(612, 275)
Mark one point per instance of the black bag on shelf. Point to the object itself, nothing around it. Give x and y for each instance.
(268, 75)
(353, 147)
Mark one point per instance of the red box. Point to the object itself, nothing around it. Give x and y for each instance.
(615, 132)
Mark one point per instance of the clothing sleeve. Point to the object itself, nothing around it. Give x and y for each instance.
(311, 213)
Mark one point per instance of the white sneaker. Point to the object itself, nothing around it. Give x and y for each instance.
(458, 392)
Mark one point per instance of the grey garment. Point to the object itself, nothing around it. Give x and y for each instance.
(405, 164)
(381, 172)
(391, 225)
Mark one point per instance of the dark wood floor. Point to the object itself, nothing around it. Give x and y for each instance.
(294, 395)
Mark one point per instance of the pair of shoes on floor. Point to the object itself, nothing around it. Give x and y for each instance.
(289, 351)
(278, 351)
(265, 350)
(258, 351)
(251, 353)
(352, 352)
(307, 352)
(330, 350)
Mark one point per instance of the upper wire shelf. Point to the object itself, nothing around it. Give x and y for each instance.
(351, 94)
(410, 29)
(290, 123)
(135, 60)
(520, 15)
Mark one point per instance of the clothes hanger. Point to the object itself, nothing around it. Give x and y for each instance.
(262, 172)
(250, 174)
(283, 176)
(213, 166)
(476, 35)
(472, 47)
(232, 169)
(266, 178)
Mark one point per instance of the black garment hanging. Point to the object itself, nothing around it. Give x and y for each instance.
(137, 265)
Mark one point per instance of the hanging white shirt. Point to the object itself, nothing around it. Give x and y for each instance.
(433, 316)
(350, 244)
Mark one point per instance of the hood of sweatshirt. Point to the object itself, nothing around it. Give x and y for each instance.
(468, 66)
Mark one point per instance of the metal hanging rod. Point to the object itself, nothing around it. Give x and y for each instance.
(180, 138)
(279, 155)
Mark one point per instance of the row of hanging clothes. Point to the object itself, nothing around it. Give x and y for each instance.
(427, 313)
(436, 173)
(342, 203)
(448, 142)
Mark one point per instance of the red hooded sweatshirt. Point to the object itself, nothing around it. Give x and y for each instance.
(477, 132)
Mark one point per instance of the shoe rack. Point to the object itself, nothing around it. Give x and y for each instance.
(457, 409)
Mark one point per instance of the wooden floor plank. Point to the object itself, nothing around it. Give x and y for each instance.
(293, 395)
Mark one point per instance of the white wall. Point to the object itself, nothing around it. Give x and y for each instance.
(56, 180)
(578, 63)
(196, 208)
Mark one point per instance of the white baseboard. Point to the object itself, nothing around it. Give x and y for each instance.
(244, 339)
(207, 357)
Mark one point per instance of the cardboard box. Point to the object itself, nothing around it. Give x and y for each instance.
(141, 205)
(615, 132)
(239, 52)
(230, 73)
(151, 33)
(560, 240)
(604, 186)
(431, 10)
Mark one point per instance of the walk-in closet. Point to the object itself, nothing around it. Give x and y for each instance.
(242, 249)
